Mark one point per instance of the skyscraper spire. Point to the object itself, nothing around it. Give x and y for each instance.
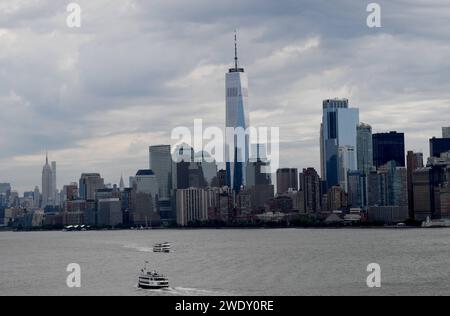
(121, 184)
(237, 116)
(235, 51)
(47, 184)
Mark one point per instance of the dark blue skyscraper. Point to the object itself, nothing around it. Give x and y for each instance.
(439, 146)
(389, 147)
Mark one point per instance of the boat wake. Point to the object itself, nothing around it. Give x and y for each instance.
(139, 248)
(182, 291)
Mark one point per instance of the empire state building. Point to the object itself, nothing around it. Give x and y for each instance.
(47, 184)
(237, 118)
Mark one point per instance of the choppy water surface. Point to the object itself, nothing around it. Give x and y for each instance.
(229, 262)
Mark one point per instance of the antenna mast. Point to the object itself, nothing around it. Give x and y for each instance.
(235, 51)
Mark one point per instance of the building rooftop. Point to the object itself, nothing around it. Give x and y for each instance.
(145, 172)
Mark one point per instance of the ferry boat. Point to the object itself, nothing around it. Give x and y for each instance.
(162, 247)
(152, 280)
(440, 223)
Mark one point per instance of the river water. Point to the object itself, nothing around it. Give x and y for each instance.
(260, 262)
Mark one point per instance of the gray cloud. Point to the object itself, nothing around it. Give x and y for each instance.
(96, 97)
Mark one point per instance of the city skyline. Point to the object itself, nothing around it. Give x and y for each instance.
(94, 122)
(162, 154)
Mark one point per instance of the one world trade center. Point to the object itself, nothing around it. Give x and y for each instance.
(237, 119)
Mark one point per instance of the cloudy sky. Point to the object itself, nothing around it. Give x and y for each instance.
(96, 97)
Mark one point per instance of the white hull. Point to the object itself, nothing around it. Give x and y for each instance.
(150, 283)
(442, 223)
(162, 248)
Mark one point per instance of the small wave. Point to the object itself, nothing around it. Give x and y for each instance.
(148, 292)
(197, 292)
(183, 291)
(139, 248)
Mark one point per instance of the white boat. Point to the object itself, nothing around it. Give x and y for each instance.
(162, 247)
(440, 223)
(152, 280)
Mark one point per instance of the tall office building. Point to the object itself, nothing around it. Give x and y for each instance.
(424, 194)
(90, 183)
(258, 166)
(146, 182)
(414, 161)
(400, 189)
(121, 184)
(36, 197)
(287, 179)
(47, 185)
(237, 117)
(5, 188)
(358, 197)
(337, 199)
(439, 146)
(207, 165)
(322, 154)
(346, 164)
(54, 187)
(338, 129)
(183, 157)
(364, 148)
(446, 132)
(390, 186)
(143, 199)
(192, 206)
(161, 165)
(197, 170)
(109, 212)
(220, 180)
(430, 186)
(357, 189)
(181, 170)
(196, 176)
(70, 192)
(388, 194)
(445, 202)
(310, 187)
(256, 175)
(389, 147)
(5, 191)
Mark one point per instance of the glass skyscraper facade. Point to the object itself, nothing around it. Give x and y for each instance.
(414, 162)
(89, 184)
(389, 147)
(287, 178)
(357, 189)
(446, 132)
(439, 146)
(364, 148)
(161, 165)
(338, 130)
(237, 117)
(346, 164)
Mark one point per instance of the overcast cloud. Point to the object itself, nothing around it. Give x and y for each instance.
(98, 96)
